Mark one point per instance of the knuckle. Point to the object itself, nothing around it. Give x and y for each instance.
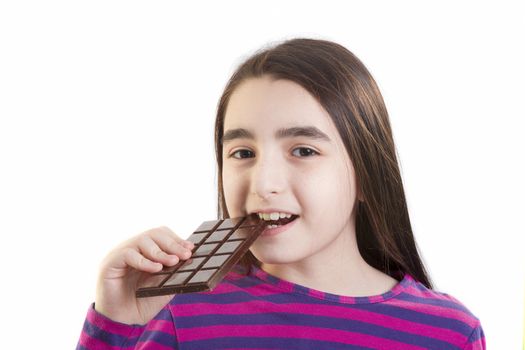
(143, 239)
(128, 253)
(132, 257)
(169, 232)
(158, 253)
(164, 229)
(175, 246)
(154, 253)
(142, 261)
(172, 244)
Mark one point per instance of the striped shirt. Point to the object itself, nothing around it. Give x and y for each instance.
(261, 311)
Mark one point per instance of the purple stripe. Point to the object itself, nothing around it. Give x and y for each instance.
(117, 328)
(240, 297)
(267, 343)
(157, 339)
(164, 315)
(262, 311)
(188, 326)
(477, 337)
(417, 312)
(294, 332)
(450, 304)
(327, 311)
(419, 317)
(93, 337)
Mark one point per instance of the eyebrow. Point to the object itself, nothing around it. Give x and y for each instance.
(305, 131)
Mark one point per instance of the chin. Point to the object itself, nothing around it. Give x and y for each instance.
(275, 258)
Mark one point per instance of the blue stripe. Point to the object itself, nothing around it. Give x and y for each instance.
(243, 296)
(268, 343)
(159, 338)
(106, 337)
(419, 317)
(164, 315)
(382, 308)
(436, 302)
(269, 278)
(476, 335)
(246, 282)
(320, 322)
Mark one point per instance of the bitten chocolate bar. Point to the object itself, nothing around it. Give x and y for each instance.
(219, 244)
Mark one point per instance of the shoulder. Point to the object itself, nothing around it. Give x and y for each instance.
(425, 298)
(442, 311)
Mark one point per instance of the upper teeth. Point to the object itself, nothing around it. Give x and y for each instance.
(274, 216)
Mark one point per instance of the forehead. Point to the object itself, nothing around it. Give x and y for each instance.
(263, 104)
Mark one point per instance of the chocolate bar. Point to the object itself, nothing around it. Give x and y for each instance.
(219, 244)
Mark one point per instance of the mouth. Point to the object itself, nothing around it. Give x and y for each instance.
(275, 223)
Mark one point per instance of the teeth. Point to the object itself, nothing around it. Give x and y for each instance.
(273, 216)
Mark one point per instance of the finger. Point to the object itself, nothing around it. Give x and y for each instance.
(152, 251)
(137, 261)
(170, 233)
(172, 244)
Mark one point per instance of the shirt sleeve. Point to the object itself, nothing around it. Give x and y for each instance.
(100, 332)
(476, 341)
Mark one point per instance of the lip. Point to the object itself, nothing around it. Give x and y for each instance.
(277, 230)
(271, 210)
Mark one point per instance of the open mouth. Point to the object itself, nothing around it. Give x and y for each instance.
(278, 222)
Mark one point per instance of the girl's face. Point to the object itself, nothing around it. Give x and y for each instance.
(282, 153)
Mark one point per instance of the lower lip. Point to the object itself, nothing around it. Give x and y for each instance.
(276, 230)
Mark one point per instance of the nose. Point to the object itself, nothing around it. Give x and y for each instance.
(268, 177)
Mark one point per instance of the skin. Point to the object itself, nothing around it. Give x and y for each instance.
(312, 178)
(129, 266)
(309, 177)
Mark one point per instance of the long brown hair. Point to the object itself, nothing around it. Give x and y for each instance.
(345, 88)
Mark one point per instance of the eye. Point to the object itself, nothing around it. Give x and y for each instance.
(306, 152)
(243, 152)
(303, 153)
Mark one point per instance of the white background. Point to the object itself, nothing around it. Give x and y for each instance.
(106, 130)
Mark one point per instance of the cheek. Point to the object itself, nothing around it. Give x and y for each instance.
(226, 182)
(346, 193)
(233, 190)
(329, 193)
(316, 191)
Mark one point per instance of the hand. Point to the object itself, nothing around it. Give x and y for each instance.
(127, 267)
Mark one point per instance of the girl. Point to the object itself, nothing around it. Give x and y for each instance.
(301, 129)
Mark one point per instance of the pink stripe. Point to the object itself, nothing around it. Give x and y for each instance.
(111, 326)
(319, 310)
(429, 294)
(477, 345)
(376, 298)
(285, 286)
(264, 289)
(94, 343)
(151, 345)
(257, 290)
(456, 314)
(233, 276)
(161, 326)
(347, 299)
(316, 293)
(298, 332)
